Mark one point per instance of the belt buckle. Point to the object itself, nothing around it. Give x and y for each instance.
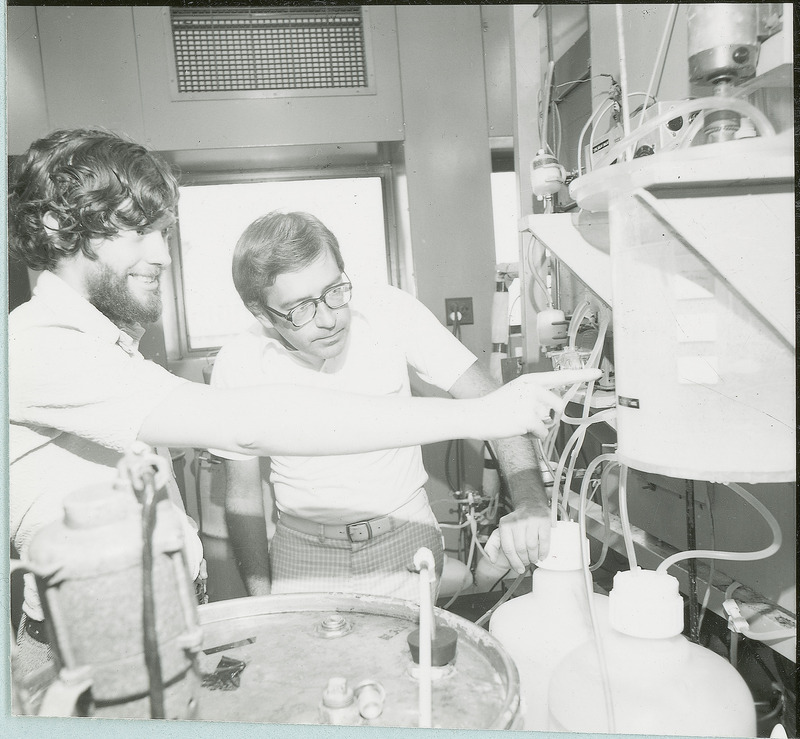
(356, 534)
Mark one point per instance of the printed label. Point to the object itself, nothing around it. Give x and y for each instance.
(628, 402)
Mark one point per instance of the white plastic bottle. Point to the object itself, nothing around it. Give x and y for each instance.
(539, 628)
(659, 682)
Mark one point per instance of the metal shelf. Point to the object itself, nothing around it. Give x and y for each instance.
(580, 240)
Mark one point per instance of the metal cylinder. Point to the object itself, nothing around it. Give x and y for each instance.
(723, 41)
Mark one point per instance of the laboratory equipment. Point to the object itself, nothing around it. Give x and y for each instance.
(290, 662)
(89, 571)
(541, 627)
(703, 319)
(723, 42)
(652, 680)
(723, 51)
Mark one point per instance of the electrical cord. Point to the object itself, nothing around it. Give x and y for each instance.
(580, 81)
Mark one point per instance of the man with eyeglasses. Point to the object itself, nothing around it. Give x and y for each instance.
(348, 523)
(89, 210)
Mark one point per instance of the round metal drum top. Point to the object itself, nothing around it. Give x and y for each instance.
(289, 662)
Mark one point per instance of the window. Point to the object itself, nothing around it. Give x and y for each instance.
(214, 214)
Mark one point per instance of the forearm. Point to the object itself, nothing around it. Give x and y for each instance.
(292, 420)
(247, 526)
(285, 419)
(519, 467)
(247, 534)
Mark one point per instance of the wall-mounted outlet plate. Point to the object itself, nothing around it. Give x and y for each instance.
(458, 305)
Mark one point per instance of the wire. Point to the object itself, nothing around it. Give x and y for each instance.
(583, 79)
(594, 119)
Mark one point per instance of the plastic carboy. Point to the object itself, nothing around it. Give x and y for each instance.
(539, 628)
(658, 681)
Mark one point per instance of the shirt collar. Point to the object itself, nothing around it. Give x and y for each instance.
(75, 310)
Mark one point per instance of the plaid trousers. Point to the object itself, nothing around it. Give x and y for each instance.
(383, 565)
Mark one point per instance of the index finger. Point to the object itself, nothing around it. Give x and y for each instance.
(564, 377)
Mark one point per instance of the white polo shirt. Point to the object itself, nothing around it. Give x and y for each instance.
(79, 391)
(390, 331)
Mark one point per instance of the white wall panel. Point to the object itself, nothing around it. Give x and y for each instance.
(267, 121)
(90, 72)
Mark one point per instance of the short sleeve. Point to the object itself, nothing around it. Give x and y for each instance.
(434, 352)
(235, 366)
(76, 383)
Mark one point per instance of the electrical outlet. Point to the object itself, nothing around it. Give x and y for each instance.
(458, 305)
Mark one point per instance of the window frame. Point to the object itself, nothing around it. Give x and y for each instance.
(178, 345)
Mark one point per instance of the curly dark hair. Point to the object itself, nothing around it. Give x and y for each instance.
(81, 184)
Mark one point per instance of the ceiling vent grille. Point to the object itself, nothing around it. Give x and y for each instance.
(230, 50)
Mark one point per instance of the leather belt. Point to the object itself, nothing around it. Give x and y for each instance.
(359, 530)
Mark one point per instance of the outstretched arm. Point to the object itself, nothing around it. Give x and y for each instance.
(288, 419)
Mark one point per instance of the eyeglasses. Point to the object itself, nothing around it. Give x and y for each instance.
(336, 296)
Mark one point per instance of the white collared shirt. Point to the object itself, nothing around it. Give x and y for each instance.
(79, 391)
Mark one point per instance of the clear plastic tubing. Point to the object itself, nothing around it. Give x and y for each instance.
(623, 514)
(760, 121)
(734, 556)
(587, 575)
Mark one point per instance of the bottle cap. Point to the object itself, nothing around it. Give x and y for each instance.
(565, 547)
(646, 604)
(337, 694)
(370, 696)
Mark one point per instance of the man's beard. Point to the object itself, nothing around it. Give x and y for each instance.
(110, 294)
